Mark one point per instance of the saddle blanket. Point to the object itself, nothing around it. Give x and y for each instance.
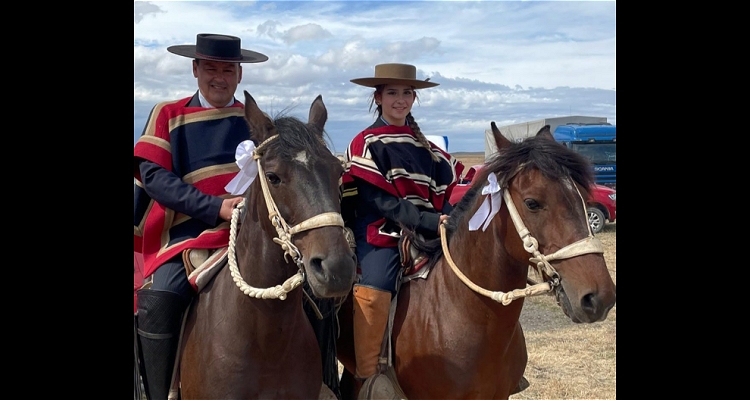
(202, 264)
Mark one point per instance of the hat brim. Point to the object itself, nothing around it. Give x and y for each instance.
(188, 50)
(373, 82)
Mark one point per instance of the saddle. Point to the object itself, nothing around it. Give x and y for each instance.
(202, 264)
(412, 260)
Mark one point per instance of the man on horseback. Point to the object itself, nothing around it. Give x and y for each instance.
(394, 177)
(182, 163)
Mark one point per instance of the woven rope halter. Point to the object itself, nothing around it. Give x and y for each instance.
(539, 261)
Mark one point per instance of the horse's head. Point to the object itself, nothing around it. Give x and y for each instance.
(299, 180)
(547, 185)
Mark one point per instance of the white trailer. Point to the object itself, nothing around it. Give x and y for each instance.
(517, 132)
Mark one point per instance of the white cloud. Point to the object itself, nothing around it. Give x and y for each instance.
(505, 61)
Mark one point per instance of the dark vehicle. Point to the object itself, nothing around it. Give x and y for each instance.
(598, 143)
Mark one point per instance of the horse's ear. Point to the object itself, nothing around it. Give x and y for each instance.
(261, 127)
(500, 140)
(318, 113)
(545, 133)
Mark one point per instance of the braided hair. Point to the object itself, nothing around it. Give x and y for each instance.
(409, 121)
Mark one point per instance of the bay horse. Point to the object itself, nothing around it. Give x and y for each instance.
(246, 335)
(456, 333)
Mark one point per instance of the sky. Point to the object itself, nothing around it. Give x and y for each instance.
(503, 61)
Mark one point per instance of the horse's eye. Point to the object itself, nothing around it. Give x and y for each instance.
(272, 178)
(532, 204)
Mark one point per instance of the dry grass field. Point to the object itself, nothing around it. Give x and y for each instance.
(567, 360)
(469, 159)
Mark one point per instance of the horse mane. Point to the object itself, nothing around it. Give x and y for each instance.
(552, 159)
(294, 135)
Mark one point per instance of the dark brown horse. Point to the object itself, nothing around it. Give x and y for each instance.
(456, 334)
(246, 334)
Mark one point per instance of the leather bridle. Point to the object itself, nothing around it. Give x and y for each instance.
(284, 239)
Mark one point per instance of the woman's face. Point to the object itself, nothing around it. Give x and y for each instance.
(396, 102)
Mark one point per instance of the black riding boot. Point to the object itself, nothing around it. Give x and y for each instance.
(159, 323)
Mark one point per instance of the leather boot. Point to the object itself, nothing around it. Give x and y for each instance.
(159, 323)
(371, 308)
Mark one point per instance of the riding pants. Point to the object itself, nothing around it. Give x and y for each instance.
(172, 277)
(380, 266)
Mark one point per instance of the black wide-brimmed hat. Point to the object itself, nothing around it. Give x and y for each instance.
(213, 47)
(394, 74)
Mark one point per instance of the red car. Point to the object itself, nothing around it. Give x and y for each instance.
(602, 204)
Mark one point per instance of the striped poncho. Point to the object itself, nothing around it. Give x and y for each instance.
(392, 159)
(198, 145)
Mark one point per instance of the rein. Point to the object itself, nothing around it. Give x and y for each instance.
(284, 239)
(539, 261)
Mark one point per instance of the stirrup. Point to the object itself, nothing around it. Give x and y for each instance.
(381, 386)
(522, 385)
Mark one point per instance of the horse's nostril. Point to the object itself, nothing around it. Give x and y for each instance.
(593, 307)
(589, 303)
(316, 265)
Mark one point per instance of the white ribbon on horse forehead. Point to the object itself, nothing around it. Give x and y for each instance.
(490, 206)
(248, 168)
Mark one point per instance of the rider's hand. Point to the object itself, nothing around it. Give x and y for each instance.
(443, 218)
(227, 207)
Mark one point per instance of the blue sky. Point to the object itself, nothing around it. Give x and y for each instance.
(502, 61)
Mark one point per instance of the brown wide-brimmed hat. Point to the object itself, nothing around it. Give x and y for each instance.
(395, 74)
(213, 47)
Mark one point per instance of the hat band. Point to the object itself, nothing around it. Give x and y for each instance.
(199, 55)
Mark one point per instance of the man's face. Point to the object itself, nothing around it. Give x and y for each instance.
(217, 81)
